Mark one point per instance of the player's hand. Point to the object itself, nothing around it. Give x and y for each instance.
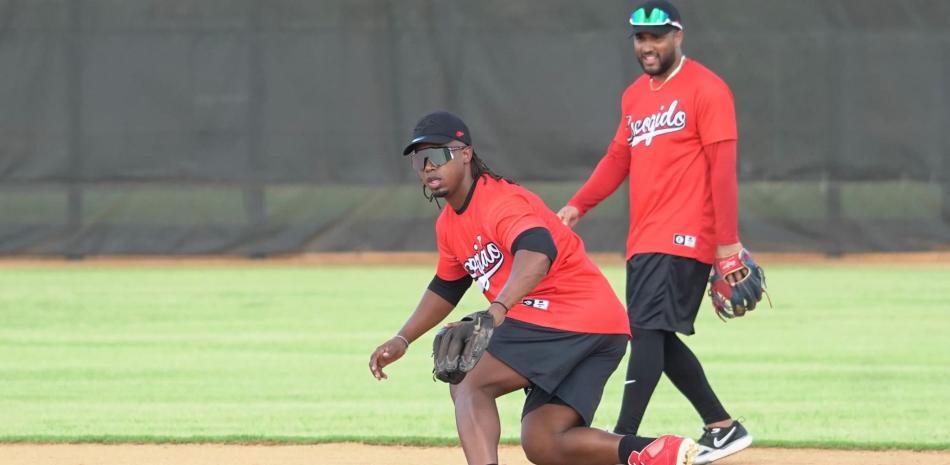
(734, 297)
(724, 251)
(387, 353)
(497, 314)
(569, 215)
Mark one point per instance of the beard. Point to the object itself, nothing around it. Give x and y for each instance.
(443, 192)
(666, 62)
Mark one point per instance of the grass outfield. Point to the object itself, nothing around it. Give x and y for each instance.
(850, 357)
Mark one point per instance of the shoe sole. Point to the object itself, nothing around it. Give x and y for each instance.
(687, 452)
(736, 446)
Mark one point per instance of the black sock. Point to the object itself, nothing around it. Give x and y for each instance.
(630, 444)
(686, 373)
(643, 372)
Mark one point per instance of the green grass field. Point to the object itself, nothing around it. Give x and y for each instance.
(849, 357)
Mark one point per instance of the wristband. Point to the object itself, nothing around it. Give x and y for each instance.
(502, 305)
(403, 339)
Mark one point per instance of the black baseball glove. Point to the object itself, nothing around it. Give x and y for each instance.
(457, 348)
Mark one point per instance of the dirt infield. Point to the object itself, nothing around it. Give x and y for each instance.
(353, 454)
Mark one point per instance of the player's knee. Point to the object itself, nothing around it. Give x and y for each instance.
(462, 392)
(467, 395)
(535, 453)
(541, 450)
(472, 388)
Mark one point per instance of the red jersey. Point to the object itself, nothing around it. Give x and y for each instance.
(659, 145)
(573, 296)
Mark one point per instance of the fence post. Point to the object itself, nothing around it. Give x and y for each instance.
(74, 175)
(255, 203)
(834, 221)
(943, 145)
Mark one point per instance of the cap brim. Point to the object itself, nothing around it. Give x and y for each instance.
(428, 139)
(655, 30)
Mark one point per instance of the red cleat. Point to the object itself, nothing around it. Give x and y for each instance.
(666, 450)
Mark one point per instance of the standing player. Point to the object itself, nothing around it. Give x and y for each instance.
(677, 145)
(559, 329)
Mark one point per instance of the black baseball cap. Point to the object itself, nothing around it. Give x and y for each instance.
(440, 127)
(657, 17)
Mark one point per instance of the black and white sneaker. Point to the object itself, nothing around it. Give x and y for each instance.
(717, 443)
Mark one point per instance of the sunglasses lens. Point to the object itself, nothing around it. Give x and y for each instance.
(437, 155)
(417, 162)
(657, 17)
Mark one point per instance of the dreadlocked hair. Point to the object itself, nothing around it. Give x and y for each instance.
(479, 168)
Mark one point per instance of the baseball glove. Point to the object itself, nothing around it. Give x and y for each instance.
(732, 300)
(457, 348)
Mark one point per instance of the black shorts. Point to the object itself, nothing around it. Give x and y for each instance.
(563, 366)
(664, 291)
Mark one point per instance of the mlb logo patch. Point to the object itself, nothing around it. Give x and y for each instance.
(540, 304)
(685, 240)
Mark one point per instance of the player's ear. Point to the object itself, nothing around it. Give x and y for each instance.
(678, 38)
(467, 154)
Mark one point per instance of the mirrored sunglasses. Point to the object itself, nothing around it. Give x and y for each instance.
(657, 17)
(438, 156)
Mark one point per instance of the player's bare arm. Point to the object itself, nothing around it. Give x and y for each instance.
(431, 310)
(528, 269)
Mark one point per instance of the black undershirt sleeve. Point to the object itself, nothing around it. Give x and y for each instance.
(536, 240)
(451, 291)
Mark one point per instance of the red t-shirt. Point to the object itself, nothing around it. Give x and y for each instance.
(573, 296)
(672, 143)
